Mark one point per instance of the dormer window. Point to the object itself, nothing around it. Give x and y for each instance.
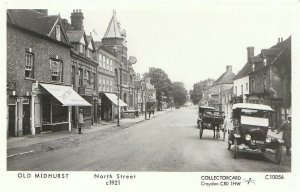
(81, 49)
(265, 61)
(57, 33)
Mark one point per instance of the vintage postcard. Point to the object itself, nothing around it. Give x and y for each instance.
(150, 95)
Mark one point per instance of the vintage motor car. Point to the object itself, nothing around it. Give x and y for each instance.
(209, 118)
(250, 131)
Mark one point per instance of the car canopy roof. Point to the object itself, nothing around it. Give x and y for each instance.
(252, 106)
(206, 107)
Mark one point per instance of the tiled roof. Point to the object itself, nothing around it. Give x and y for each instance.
(270, 52)
(225, 78)
(113, 30)
(244, 71)
(75, 36)
(32, 20)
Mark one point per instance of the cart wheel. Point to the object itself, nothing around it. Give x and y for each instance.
(278, 154)
(200, 131)
(235, 149)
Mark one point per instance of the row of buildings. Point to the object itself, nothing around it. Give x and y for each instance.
(55, 68)
(264, 79)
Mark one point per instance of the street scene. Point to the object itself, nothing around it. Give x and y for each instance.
(168, 142)
(130, 90)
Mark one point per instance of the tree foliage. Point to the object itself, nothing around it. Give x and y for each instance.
(179, 93)
(198, 89)
(162, 84)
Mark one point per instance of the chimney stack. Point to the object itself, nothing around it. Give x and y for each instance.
(228, 68)
(77, 19)
(250, 53)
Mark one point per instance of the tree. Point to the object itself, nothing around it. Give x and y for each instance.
(198, 90)
(179, 93)
(162, 84)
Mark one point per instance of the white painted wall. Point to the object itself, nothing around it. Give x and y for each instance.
(237, 87)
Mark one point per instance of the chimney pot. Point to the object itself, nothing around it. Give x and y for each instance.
(281, 39)
(278, 39)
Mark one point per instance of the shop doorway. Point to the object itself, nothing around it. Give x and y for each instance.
(12, 120)
(26, 119)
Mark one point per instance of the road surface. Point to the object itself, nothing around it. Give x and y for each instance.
(169, 142)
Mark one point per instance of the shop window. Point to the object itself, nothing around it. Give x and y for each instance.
(46, 109)
(87, 111)
(80, 71)
(57, 33)
(59, 112)
(29, 65)
(56, 70)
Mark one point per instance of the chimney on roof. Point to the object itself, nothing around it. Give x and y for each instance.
(250, 53)
(228, 68)
(281, 39)
(77, 19)
(42, 11)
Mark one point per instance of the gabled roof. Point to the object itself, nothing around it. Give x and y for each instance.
(225, 78)
(244, 71)
(75, 36)
(34, 21)
(113, 30)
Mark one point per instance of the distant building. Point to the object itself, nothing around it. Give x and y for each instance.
(223, 83)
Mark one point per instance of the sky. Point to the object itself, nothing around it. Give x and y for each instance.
(193, 41)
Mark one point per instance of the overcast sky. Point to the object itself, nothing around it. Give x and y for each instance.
(194, 41)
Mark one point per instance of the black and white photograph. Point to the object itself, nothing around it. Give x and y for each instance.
(114, 93)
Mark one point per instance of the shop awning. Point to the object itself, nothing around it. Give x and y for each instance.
(66, 95)
(114, 100)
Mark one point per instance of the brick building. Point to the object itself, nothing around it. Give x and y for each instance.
(270, 79)
(84, 63)
(38, 64)
(115, 41)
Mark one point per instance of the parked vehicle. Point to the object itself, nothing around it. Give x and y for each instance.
(250, 131)
(209, 118)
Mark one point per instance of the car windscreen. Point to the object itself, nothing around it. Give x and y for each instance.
(256, 121)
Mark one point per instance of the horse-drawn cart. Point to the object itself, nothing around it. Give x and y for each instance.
(211, 119)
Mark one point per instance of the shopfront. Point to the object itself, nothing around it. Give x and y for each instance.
(56, 103)
(109, 106)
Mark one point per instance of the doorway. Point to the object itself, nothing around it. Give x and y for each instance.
(26, 119)
(12, 121)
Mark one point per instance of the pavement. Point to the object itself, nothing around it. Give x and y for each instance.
(52, 140)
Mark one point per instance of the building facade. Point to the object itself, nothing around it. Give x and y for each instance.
(38, 65)
(84, 63)
(223, 83)
(270, 80)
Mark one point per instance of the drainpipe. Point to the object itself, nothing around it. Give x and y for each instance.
(33, 94)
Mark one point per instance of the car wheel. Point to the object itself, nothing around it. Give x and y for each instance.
(235, 150)
(278, 154)
(200, 131)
